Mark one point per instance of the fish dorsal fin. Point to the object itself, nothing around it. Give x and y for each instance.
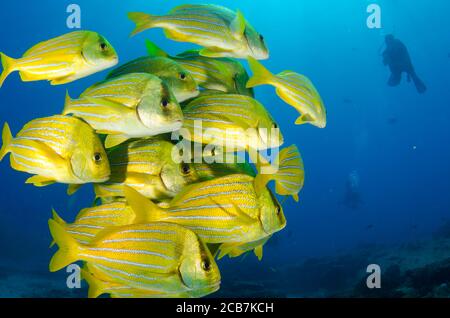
(154, 50)
(237, 26)
(114, 140)
(144, 209)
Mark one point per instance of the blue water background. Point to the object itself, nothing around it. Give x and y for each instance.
(403, 168)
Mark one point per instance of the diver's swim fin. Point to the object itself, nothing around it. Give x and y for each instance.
(420, 86)
(395, 79)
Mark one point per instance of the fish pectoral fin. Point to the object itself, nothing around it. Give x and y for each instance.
(213, 52)
(72, 188)
(304, 119)
(238, 213)
(111, 105)
(64, 80)
(237, 26)
(40, 181)
(114, 140)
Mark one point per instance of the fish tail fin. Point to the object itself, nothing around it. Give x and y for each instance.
(290, 177)
(96, 286)
(288, 173)
(261, 75)
(142, 20)
(420, 86)
(8, 65)
(68, 247)
(144, 209)
(154, 50)
(6, 141)
(67, 103)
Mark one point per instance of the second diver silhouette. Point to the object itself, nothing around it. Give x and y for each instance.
(396, 56)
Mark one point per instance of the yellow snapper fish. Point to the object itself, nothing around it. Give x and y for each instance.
(221, 74)
(161, 257)
(222, 210)
(295, 89)
(222, 32)
(129, 106)
(99, 285)
(148, 166)
(289, 175)
(237, 249)
(208, 171)
(63, 59)
(177, 78)
(57, 149)
(235, 122)
(90, 221)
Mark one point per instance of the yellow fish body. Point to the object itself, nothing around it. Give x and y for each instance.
(222, 210)
(90, 221)
(129, 106)
(63, 59)
(177, 78)
(231, 121)
(222, 74)
(222, 32)
(57, 149)
(99, 285)
(156, 256)
(296, 90)
(149, 167)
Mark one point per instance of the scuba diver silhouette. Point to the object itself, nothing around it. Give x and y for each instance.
(396, 56)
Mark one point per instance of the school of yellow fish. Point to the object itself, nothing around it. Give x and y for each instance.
(159, 222)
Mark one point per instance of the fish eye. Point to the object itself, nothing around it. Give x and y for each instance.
(261, 37)
(97, 157)
(275, 125)
(182, 76)
(164, 102)
(206, 265)
(103, 46)
(185, 168)
(278, 209)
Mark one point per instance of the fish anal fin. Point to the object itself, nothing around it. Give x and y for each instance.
(72, 188)
(304, 119)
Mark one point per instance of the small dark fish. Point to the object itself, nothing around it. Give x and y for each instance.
(369, 227)
(347, 100)
(392, 120)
